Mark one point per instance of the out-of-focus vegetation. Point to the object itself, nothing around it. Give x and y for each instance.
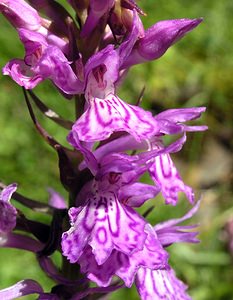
(196, 71)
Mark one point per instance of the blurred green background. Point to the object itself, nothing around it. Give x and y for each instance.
(196, 71)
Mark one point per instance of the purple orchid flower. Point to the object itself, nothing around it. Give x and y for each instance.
(167, 178)
(45, 52)
(103, 223)
(97, 9)
(163, 283)
(8, 212)
(169, 232)
(105, 111)
(160, 284)
(171, 120)
(125, 266)
(104, 226)
(158, 38)
(20, 14)
(162, 169)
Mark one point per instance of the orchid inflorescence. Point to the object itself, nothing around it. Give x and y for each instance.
(106, 244)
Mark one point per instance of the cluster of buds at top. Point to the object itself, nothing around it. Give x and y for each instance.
(106, 239)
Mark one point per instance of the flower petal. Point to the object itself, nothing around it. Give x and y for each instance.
(42, 61)
(56, 200)
(105, 116)
(101, 73)
(166, 176)
(137, 31)
(101, 274)
(54, 65)
(105, 225)
(160, 284)
(174, 222)
(7, 192)
(158, 38)
(21, 74)
(136, 194)
(152, 256)
(20, 14)
(171, 120)
(168, 233)
(125, 266)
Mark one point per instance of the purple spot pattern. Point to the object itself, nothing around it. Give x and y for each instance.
(152, 256)
(105, 116)
(102, 274)
(166, 176)
(125, 266)
(160, 285)
(104, 224)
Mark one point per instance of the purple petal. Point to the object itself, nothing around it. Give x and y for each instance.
(178, 234)
(42, 61)
(20, 14)
(171, 120)
(34, 44)
(90, 160)
(124, 143)
(51, 63)
(101, 72)
(174, 222)
(137, 31)
(136, 194)
(101, 274)
(168, 233)
(96, 10)
(152, 256)
(6, 193)
(166, 176)
(22, 74)
(146, 157)
(181, 114)
(160, 284)
(117, 163)
(105, 225)
(8, 212)
(48, 296)
(121, 144)
(125, 266)
(135, 165)
(21, 288)
(159, 38)
(54, 40)
(105, 116)
(54, 65)
(56, 200)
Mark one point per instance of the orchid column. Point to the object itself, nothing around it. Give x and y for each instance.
(103, 240)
